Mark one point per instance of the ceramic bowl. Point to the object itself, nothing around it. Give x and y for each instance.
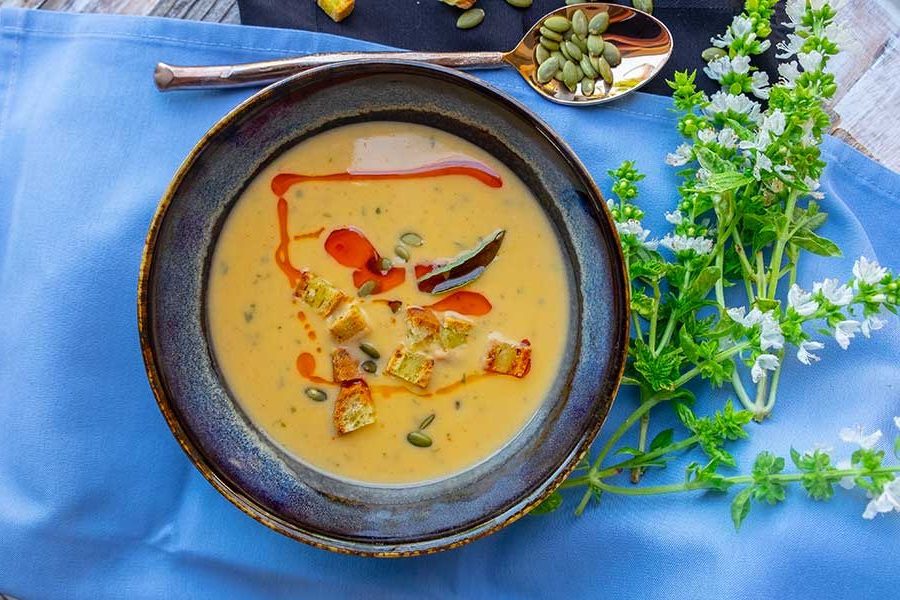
(236, 456)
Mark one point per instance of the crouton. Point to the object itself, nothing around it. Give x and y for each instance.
(354, 407)
(344, 367)
(338, 10)
(454, 332)
(318, 293)
(463, 4)
(349, 324)
(422, 326)
(413, 367)
(508, 358)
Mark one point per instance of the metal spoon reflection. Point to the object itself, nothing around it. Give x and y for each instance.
(643, 41)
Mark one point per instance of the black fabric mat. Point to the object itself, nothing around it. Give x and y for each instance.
(431, 25)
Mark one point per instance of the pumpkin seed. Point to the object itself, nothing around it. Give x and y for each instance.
(549, 44)
(565, 53)
(315, 394)
(595, 45)
(587, 68)
(570, 74)
(573, 49)
(711, 54)
(547, 70)
(541, 54)
(580, 42)
(402, 252)
(411, 238)
(370, 350)
(426, 422)
(595, 62)
(418, 438)
(551, 35)
(587, 86)
(598, 23)
(572, 85)
(579, 23)
(644, 5)
(369, 366)
(385, 264)
(574, 1)
(611, 54)
(604, 70)
(366, 288)
(558, 56)
(558, 24)
(470, 18)
(519, 3)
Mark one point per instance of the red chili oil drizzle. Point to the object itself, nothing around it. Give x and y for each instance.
(465, 303)
(306, 366)
(282, 183)
(352, 249)
(309, 235)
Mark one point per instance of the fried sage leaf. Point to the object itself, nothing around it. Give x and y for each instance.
(464, 269)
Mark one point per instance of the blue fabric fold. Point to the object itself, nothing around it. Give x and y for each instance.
(98, 501)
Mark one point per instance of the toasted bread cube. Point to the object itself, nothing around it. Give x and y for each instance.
(338, 10)
(354, 407)
(318, 293)
(344, 367)
(422, 326)
(349, 324)
(455, 332)
(463, 4)
(413, 367)
(508, 358)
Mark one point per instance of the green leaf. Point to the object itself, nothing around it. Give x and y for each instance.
(726, 181)
(815, 243)
(764, 237)
(660, 371)
(686, 341)
(740, 507)
(795, 456)
(685, 415)
(765, 486)
(626, 380)
(550, 503)
(705, 281)
(629, 451)
(897, 446)
(661, 440)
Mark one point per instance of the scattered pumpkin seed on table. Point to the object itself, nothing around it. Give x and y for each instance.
(519, 3)
(711, 54)
(470, 18)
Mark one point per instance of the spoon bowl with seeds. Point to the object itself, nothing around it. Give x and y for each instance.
(579, 54)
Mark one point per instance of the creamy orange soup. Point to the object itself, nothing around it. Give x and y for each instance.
(310, 262)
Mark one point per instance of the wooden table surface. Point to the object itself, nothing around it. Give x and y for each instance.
(866, 113)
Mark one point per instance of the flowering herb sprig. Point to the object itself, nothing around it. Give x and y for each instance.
(717, 297)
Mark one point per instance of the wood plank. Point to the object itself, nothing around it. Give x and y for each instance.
(218, 10)
(233, 15)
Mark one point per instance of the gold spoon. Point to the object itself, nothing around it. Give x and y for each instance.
(643, 41)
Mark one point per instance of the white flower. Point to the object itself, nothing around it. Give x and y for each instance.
(897, 422)
(846, 482)
(633, 227)
(682, 243)
(727, 138)
(702, 174)
(810, 61)
(722, 102)
(680, 157)
(801, 301)
(795, 9)
(759, 84)
(740, 27)
(706, 135)
(770, 335)
(717, 69)
(763, 163)
(868, 271)
(789, 74)
(813, 186)
(887, 501)
(804, 352)
(834, 292)
(774, 123)
(790, 46)
(857, 435)
(764, 362)
(752, 318)
(845, 331)
(871, 324)
(675, 217)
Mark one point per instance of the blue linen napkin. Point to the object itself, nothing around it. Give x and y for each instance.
(98, 501)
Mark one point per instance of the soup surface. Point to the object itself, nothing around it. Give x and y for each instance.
(464, 337)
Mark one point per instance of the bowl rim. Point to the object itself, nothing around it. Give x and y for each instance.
(247, 504)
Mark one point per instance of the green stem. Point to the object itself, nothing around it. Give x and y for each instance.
(642, 444)
(641, 460)
(720, 282)
(737, 480)
(745, 264)
(637, 327)
(741, 392)
(688, 375)
(760, 276)
(778, 253)
(773, 389)
(654, 317)
(670, 326)
(644, 407)
(759, 407)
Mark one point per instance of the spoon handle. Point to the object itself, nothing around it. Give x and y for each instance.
(173, 77)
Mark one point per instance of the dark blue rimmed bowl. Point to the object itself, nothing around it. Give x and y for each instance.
(235, 456)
